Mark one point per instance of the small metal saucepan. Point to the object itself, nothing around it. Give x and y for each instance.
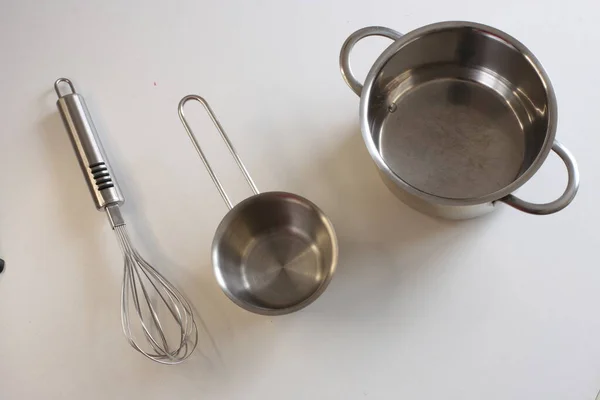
(457, 116)
(273, 253)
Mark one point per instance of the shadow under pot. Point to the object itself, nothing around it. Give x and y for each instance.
(457, 116)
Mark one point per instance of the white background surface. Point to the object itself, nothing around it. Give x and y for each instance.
(502, 307)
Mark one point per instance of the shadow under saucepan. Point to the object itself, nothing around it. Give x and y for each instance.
(382, 241)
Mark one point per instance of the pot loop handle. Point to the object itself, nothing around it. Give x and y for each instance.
(563, 200)
(360, 34)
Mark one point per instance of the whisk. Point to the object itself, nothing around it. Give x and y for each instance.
(144, 290)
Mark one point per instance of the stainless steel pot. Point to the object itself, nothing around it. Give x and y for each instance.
(457, 116)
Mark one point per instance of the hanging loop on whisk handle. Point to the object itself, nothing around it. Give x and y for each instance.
(217, 124)
(87, 146)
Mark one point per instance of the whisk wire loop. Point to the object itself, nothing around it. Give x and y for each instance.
(145, 290)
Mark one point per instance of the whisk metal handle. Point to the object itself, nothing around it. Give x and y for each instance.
(87, 146)
(217, 124)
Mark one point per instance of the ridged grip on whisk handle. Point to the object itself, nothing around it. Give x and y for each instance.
(87, 146)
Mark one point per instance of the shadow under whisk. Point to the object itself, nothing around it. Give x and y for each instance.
(151, 297)
(166, 332)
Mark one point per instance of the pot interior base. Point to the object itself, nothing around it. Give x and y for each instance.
(459, 136)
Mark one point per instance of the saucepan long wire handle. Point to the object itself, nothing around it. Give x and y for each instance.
(215, 121)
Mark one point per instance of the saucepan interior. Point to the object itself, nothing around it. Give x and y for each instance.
(274, 253)
(460, 112)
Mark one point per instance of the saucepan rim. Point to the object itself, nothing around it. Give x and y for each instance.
(279, 196)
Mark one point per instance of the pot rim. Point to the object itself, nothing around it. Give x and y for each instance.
(441, 26)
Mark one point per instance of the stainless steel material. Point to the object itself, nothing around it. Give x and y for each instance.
(457, 116)
(149, 293)
(144, 290)
(115, 218)
(89, 151)
(360, 34)
(230, 147)
(273, 253)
